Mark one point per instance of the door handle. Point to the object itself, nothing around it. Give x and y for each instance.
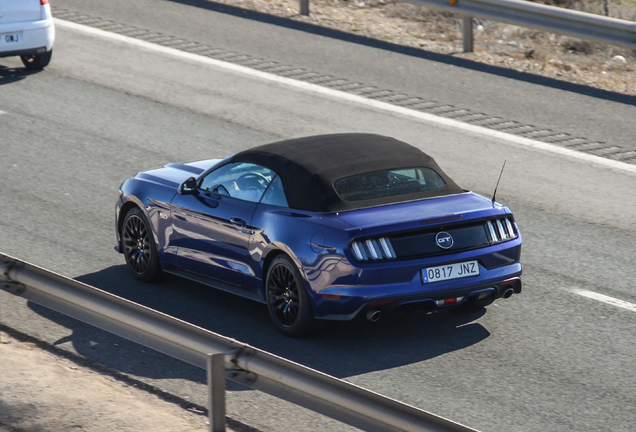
(238, 222)
(240, 225)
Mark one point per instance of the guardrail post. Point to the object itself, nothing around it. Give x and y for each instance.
(216, 392)
(467, 33)
(304, 7)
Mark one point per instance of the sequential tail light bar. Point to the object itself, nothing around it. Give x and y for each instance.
(373, 249)
(500, 230)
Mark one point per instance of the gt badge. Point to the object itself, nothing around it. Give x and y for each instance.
(444, 240)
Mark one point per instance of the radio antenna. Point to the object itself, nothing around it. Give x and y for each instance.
(497, 185)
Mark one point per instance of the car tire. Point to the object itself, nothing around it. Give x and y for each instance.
(37, 61)
(138, 247)
(287, 299)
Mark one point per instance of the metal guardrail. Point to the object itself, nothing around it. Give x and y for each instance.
(222, 357)
(569, 22)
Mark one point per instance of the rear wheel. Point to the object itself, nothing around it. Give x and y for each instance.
(287, 298)
(37, 61)
(139, 247)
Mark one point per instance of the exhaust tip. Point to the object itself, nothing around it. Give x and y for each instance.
(373, 315)
(508, 292)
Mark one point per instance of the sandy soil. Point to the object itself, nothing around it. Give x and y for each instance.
(540, 53)
(41, 392)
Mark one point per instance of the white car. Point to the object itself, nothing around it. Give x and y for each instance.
(27, 30)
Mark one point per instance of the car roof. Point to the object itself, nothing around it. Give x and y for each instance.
(309, 166)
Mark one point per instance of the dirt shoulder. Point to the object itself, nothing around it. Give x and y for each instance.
(540, 53)
(41, 392)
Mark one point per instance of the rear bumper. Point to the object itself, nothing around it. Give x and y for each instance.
(491, 292)
(414, 295)
(37, 37)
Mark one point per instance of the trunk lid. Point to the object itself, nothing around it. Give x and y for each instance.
(426, 228)
(419, 214)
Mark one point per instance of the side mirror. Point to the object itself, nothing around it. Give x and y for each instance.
(188, 187)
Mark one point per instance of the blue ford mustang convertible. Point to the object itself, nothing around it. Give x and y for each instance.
(327, 227)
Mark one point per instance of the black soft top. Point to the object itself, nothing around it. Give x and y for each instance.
(308, 168)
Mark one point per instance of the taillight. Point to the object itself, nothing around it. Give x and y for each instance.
(500, 230)
(374, 249)
(44, 2)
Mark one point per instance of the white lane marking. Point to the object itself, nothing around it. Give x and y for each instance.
(2, 112)
(315, 88)
(605, 299)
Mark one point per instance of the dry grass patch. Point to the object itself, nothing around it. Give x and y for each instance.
(598, 65)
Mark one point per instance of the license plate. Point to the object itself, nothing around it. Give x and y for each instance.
(450, 271)
(10, 38)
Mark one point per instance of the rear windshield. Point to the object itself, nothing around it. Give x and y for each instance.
(391, 182)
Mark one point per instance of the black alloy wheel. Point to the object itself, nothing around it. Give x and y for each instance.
(287, 298)
(139, 247)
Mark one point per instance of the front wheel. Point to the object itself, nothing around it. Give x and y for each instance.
(139, 247)
(287, 298)
(37, 61)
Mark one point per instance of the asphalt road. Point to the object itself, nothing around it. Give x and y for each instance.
(578, 110)
(548, 359)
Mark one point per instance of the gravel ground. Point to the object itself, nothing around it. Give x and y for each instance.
(42, 392)
(540, 53)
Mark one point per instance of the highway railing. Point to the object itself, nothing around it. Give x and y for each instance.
(222, 357)
(523, 13)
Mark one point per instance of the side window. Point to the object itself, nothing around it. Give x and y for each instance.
(244, 181)
(275, 195)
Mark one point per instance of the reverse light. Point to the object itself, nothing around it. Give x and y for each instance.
(449, 301)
